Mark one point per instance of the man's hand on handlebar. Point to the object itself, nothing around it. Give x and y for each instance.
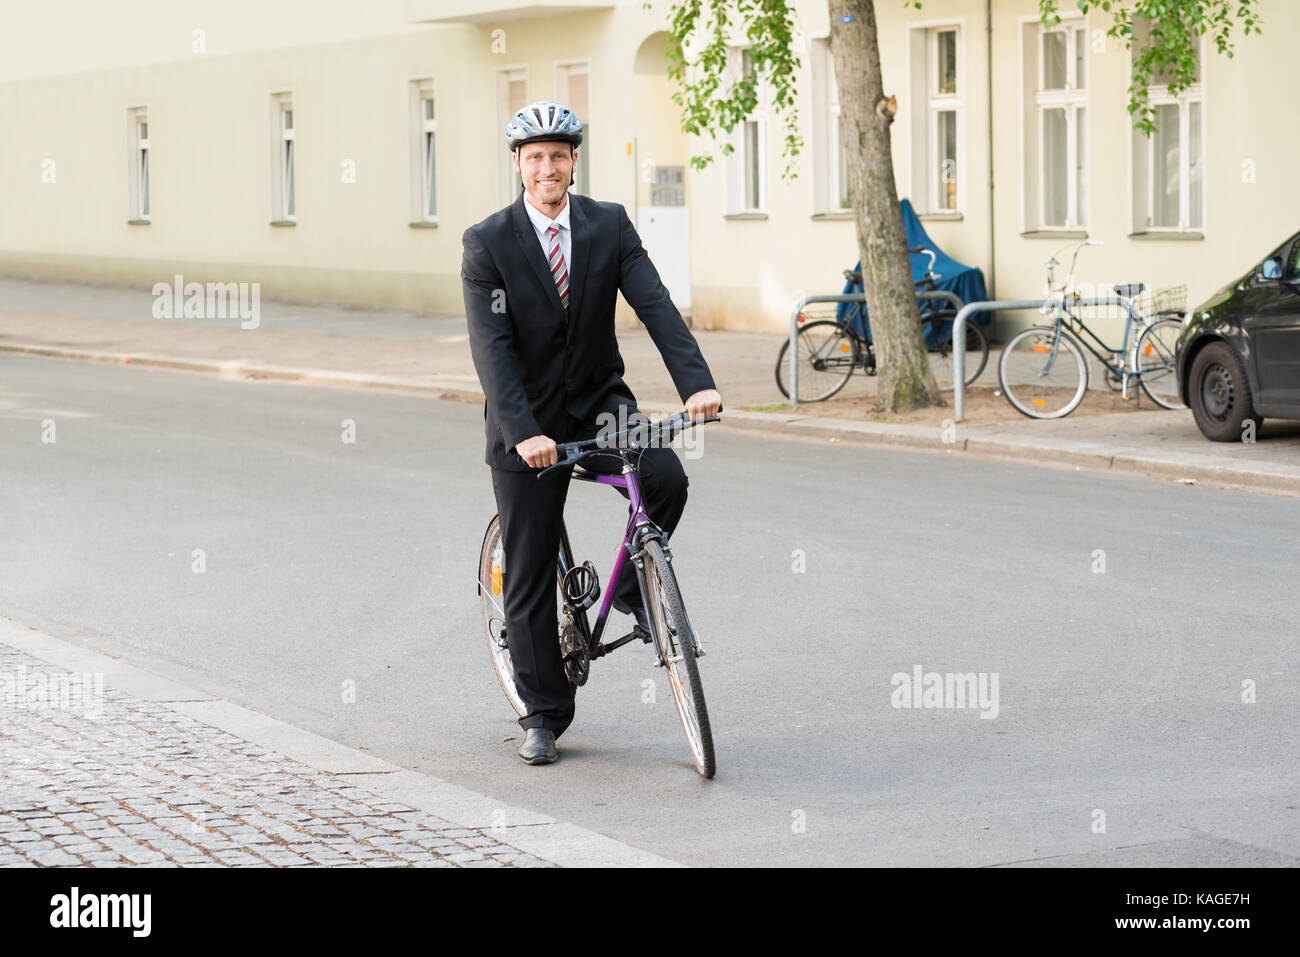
(704, 404)
(538, 452)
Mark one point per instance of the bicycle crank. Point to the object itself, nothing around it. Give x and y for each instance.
(573, 652)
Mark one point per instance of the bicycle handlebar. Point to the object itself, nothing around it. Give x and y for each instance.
(572, 452)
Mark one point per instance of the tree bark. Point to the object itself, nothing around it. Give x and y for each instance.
(906, 381)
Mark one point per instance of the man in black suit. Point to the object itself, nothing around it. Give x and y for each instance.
(541, 277)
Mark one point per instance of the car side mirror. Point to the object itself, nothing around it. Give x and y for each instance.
(1270, 269)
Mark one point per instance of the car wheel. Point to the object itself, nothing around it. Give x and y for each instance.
(1219, 394)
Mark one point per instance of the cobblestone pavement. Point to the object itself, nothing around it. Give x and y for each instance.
(90, 776)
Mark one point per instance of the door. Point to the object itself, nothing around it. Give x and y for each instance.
(665, 228)
(1275, 337)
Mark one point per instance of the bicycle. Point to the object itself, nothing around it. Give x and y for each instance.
(676, 646)
(1043, 371)
(834, 349)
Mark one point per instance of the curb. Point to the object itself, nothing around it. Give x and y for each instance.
(1124, 458)
(558, 842)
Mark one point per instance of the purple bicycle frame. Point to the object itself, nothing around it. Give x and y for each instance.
(627, 480)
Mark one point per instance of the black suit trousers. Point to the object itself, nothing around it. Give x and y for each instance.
(531, 511)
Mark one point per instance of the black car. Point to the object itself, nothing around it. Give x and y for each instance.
(1239, 354)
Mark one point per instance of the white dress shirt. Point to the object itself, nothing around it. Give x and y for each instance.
(543, 223)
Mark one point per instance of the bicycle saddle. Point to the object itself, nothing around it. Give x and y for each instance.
(1131, 290)
(853, 276)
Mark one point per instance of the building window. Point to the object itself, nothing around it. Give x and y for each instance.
(572, 85)
(747, 164)
(1056, 131)
(512, 96)
(137, 120)
(1169, 165)
(284, 205)
(841, 200)
(424, 163)
(937, 121)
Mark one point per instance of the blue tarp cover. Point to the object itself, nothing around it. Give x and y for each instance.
(966, 281)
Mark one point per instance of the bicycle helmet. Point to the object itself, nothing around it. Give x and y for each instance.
(543, 120)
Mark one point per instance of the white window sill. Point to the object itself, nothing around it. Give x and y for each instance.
(837, 215)
(284, 222)
(424, 224)
(749, 215)
(941, 217)
(138, 222)
(1174, 234)
(1054, 233)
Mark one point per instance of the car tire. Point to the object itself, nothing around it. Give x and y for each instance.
(1219, 394)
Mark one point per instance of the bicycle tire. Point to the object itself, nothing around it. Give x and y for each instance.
(676, 646)
(837, 339)
(1162, 354)
(977, 347)
(1027, 402)
(491, 590)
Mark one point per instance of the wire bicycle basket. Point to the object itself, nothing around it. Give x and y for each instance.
(1162, 302)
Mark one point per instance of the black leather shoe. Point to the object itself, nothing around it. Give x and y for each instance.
(636, 611)
(538, 746)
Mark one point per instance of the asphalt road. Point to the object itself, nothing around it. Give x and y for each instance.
(1119, 692)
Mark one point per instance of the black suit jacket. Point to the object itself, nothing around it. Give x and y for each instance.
(536, 366)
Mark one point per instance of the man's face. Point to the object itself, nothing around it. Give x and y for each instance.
(547, 170)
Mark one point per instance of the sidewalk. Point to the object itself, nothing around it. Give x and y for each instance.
(430, 354)
(105, 765)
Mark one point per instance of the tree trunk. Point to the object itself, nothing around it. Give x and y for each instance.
(906, 381)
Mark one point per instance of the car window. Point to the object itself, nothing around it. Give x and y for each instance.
(1293, 263)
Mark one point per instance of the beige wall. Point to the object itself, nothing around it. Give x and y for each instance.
(348, 65)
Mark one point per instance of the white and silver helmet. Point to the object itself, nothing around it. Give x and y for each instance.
(543, 120)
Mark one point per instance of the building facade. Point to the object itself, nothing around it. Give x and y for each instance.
(336, 151)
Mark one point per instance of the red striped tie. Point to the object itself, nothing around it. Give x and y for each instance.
(559, 271)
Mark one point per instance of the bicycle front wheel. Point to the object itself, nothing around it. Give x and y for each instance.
(1157, 361)
(678, 651)
(1042, 372)
(828, 354)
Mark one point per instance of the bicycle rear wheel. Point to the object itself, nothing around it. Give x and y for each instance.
(1157, 361)
(678, 652)
(1042, 372)
(977, 356)
(492, 602)
(828, 354)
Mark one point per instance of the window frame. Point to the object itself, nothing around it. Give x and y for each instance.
(284, 159)
(1158, 95)
(737, 165)
(1072, 99)
(509, 183)
(837, 174)
(564, 69)
(927, 103)
(138, 208)
(423, 151)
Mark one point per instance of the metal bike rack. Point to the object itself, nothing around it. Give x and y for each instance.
(944, 294)
(964, 313)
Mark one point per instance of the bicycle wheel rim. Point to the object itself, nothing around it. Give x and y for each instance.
(491, 590)
(1042, 373)
(1157, 361)
(676, 646)
(827, 356)
(977, 356)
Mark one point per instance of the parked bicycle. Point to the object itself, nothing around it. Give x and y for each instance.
(677, 647)
(1043, 370)
(830, 351)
